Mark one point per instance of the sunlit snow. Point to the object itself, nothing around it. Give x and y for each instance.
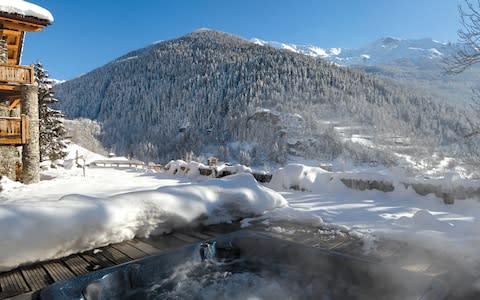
(25, 8)
(72, 212)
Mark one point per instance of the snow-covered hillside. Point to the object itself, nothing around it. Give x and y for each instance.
(418, 63)
(382, 51)
(266, 98)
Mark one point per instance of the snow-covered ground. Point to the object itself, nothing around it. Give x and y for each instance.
(403, 214)
(71, 212)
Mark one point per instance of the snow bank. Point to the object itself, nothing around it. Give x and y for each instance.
(180, 167)
(24, 8)
(6, 184)
(401, 215)
(46, 229)
(304, 178)
(192, 168)
(311, 179)
(233, 169)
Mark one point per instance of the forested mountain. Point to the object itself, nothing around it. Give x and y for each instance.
(416, 62)
(208, 89)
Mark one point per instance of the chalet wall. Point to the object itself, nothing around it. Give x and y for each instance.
(8, 154)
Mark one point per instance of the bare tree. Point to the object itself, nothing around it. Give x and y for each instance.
(468, 53)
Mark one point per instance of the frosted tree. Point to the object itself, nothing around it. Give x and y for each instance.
(468, 54)
(52, 129)
(469, 38)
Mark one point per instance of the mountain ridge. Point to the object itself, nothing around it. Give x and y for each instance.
(419, 63)
(384, 50)
(207, 90)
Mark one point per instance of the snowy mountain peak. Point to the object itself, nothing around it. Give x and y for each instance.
(381, 51)
(309, 50)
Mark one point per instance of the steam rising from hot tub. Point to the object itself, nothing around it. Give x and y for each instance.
(246, 265)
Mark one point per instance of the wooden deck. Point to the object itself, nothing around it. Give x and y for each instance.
(25, 282)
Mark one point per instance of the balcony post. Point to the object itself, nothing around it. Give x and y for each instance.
(31, 150)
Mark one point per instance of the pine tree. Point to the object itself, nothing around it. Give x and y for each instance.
(52, 129)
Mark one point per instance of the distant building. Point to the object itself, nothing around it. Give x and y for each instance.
(19, 124)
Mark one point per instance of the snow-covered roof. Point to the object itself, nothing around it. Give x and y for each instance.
(25, 9)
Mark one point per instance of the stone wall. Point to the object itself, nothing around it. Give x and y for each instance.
(3, 51)
(8, 154)
(9, 157)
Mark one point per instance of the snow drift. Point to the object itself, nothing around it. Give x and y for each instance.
(45, 229)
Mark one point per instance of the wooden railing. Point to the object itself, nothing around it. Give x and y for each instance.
(17, 74)
(13, 131)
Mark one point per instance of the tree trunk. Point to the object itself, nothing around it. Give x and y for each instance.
(31, 150)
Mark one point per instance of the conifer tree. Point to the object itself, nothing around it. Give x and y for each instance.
(52, 129)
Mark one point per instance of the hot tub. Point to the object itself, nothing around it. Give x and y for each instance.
(249, 265)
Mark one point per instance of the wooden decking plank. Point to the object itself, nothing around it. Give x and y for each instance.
(209, 234)
(198, 235)
(147, 248)
(58, 271)
(129, 250)
(164, 242)
(223, 228)
(186, 238)
(25, 296)
(36, 277)
(212, 233)
(7, 283)
(77, 264)
(96, 260)
(12, 283)
(115, 256)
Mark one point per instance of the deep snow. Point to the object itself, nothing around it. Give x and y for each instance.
(403, 214)
(25, 8)
(72, 213)
(46, 220)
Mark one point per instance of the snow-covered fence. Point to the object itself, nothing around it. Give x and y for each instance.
(180, 167)
(449, 195)
(311, 179)
(362, 185)
(118, 163)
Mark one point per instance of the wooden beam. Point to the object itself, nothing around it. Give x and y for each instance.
(20, 25)
(14, 104)
(25, 131)
(14, 39)
(11, 141)
(9, 87)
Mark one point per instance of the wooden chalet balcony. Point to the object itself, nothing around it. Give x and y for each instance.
(13, 131)
(16, 74)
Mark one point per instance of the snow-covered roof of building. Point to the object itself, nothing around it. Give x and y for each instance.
(24, 9)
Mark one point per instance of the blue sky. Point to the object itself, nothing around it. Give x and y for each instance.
(89, 33)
